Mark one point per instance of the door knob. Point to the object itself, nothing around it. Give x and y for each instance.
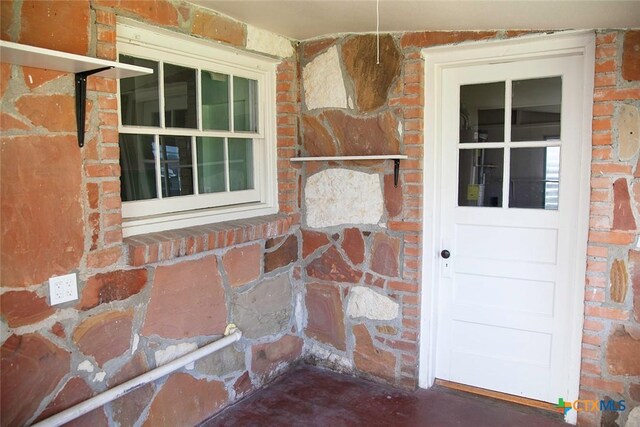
(445, 254)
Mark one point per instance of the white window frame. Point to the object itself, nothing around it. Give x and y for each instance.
(146, 216)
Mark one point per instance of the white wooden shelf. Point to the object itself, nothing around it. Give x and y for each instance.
(37, 57)
(339, 158)
(395, 157)
(81, 66)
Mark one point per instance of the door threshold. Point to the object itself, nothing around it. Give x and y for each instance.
(546, 406)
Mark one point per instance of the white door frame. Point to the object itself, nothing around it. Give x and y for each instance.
(435, 61)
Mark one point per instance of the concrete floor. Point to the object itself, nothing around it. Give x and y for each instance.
(308, 396)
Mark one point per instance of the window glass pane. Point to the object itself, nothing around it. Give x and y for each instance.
(536, 106)
(480, 177)
(215, 101)
(482, 112)
(245, 102)
(138, 176)
(240, 164)
(176, 170)
(210, 165)
(535, 175)
(140, 96)
(179, 96)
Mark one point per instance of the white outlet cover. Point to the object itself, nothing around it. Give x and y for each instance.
(63, 289)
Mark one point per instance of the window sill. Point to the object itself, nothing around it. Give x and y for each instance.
(166, 245)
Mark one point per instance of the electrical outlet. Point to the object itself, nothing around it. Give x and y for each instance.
(63, 289)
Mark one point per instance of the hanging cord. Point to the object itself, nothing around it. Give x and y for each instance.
(378, 32)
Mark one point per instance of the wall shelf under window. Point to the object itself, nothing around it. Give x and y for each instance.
(81, 66)
(395, 157)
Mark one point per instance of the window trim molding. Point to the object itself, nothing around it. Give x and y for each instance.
(136, 34)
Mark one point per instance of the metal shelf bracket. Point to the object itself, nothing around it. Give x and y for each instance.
(81, 100)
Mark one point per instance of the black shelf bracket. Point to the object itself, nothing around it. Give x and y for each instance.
(396, 172)
(81, 100)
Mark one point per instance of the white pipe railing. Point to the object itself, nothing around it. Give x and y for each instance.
(150, 376)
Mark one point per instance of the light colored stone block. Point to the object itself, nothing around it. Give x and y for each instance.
(267, 42)
(364, 302)
(342, 196)
(323, 82)
(628, 131)
(173, 352)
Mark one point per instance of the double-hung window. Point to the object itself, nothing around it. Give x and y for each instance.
(197, 137)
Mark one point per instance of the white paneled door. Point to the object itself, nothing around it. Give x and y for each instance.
(509, 199)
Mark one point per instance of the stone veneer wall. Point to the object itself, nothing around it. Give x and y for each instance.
(143, 300)
(363, 277)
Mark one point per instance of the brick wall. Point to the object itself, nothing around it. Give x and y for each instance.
(152, 296)
(611, 335)
(143, 299)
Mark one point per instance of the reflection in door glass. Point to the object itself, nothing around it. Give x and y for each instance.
(482, 112)
(137, 160)
(176, 170)
(179, 93)
(480, 177)
(536, 106)
(535, 178)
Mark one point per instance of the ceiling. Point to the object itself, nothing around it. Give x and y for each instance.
(304, 19)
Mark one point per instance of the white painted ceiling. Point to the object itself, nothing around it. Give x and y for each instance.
(304, 19)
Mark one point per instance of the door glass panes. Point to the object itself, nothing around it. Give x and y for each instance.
(240, 164)
(139, 96)
(536, 106)
(210, 154)
(535, 174)
(215, 101)
(138, 180)
(176, 170)
(482, 112)
(245, 101)
(480, 177)
(179, 93)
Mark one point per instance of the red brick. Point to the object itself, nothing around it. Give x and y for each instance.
(610, 168)
(102, 170)
(404, 226)
(631, 56)
(219, 28)
(104, 257)
(601, 139)
(606, 312)
(593, 325)
(601, 384)
(616, 94)
(611, 237)
(605, 52)
(105, 17)
(607, 66)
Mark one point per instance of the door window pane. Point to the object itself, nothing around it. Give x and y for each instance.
(482, 112)
(176, 170)
(138, 180)
(179, 96)
(139, 96)
(535, 174)
(210, 165)
(240, 164)
(245, 102)
(536, 107)
(215, 101)
(480, 177)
